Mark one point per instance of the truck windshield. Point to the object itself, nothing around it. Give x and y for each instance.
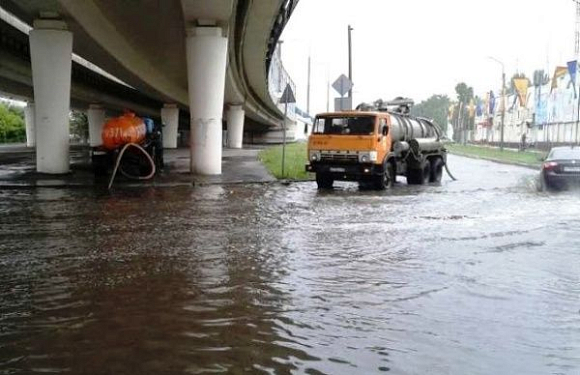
(363, 125)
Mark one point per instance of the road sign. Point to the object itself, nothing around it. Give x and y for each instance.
(343, 104)
(288, 96)
(342, 84)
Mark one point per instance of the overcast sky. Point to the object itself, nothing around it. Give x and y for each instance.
(417, 48)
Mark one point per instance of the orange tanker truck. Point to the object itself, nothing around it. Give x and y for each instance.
(130, 143)
(373, 145)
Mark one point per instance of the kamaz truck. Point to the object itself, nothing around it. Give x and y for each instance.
(375, 144)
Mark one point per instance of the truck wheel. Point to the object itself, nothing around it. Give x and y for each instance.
(385, 180)
(324, 181)
(436, 170)
(426, 172)
(412, 178)
(419, 176)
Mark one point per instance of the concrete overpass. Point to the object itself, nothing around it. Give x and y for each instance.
(205, 56)
(87, 87)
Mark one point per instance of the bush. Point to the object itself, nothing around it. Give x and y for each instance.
(12, 127)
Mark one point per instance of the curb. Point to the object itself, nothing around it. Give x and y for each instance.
(499, 161)
(133, 185)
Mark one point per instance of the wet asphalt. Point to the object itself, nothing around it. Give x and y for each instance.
(475, 276)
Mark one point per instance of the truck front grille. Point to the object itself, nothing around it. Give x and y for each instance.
(349, 158)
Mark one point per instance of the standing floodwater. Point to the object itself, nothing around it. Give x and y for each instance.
(478, 276)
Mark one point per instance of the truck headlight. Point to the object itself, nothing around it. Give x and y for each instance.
(367, 156)
(314, 156)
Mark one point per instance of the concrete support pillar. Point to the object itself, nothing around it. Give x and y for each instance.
(50, 53)
(30, 127)
(170, 118)
(235, 119)
(206, 49)
(96, 117)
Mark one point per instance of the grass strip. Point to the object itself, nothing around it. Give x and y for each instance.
(296, 158)
(532, 158)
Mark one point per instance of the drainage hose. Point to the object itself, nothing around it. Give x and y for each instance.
(449, 173)
(120, 156)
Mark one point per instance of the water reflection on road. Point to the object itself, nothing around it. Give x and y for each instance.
(478, 276)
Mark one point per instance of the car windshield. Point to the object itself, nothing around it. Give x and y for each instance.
(359, 125)
(565, 153)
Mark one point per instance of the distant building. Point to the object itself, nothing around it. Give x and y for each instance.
(548, 116)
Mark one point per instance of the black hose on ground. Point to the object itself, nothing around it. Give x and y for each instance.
(118, 162)
(449, 173)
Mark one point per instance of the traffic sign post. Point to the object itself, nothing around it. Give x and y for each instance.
(287, 97)
(342, 85)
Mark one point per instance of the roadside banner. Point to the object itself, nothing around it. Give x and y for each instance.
(572, 69)
(541, 113)
(521, 85)
(486, 104)
(491, 103)
(451, 112)
(558, 73)
(471, 108)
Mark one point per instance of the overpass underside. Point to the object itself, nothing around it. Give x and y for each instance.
(208, 58)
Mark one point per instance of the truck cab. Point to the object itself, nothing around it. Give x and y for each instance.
(350, 146)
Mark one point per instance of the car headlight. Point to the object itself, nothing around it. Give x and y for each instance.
(364, 158)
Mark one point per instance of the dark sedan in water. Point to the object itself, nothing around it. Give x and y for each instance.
(561, 169)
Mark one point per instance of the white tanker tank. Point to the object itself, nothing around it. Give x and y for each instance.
(407, 132)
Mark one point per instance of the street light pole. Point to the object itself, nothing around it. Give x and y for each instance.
(502, 101)
(308, 89)
(350, 58)
(502, 108)
(577, 55)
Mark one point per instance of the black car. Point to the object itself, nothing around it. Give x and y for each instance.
(561, 169)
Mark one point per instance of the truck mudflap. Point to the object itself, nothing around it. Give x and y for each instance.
(349, 172)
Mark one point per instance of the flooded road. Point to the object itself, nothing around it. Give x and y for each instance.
(477, 276)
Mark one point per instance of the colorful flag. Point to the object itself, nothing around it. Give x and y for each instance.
(486, 104)
(521, 85)
(491, 103)
(451, 112)
(502, 99)
(558, 73)
(471, 108)
(572, 69)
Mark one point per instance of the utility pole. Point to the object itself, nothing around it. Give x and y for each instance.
(327, 92)
(502, 100)
(577, 55)
(350, 57)
(502, 107)
(577, 31)
(308, 89)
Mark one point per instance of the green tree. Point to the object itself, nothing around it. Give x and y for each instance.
(464, 93)
(461, 120)
(12, 128)
(79, 125)
(436, 108)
